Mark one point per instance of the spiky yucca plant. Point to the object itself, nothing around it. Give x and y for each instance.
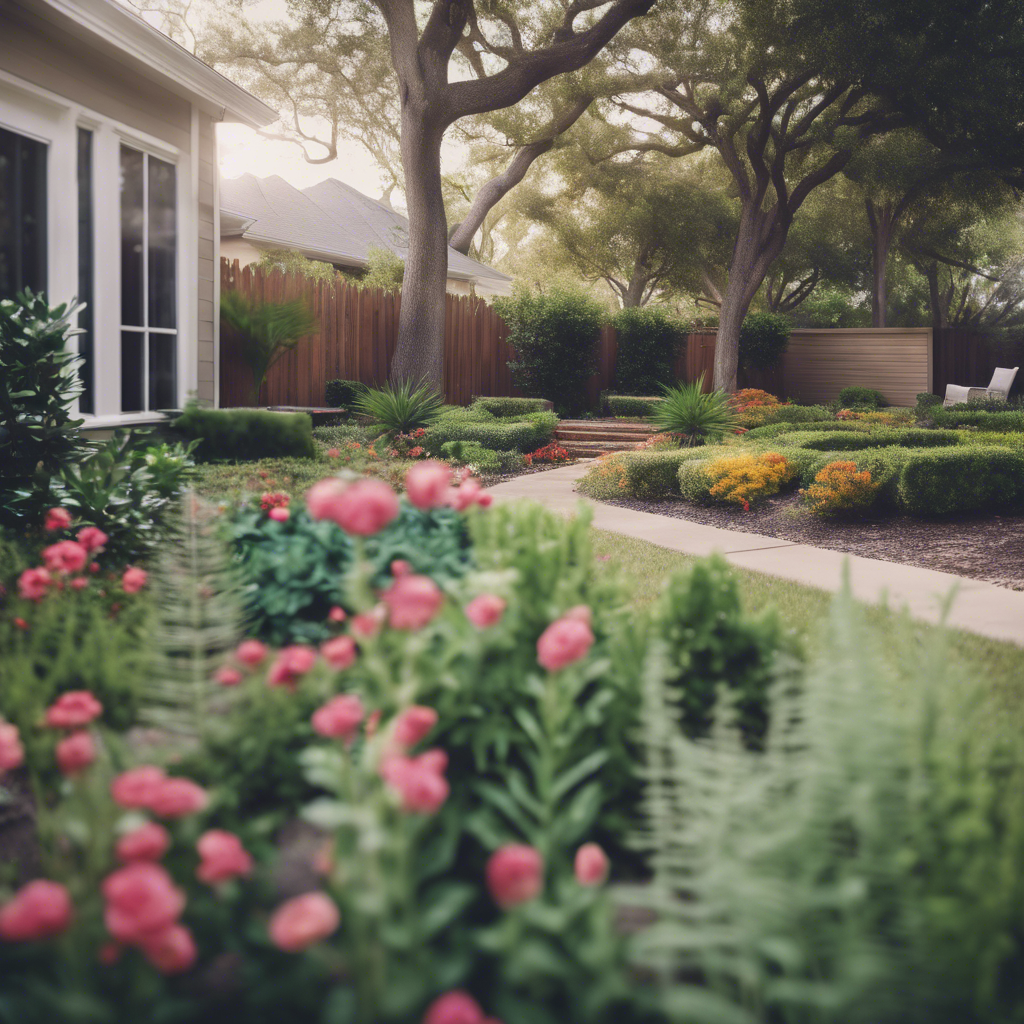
(401, 407)
(196, 624)
(694, 416)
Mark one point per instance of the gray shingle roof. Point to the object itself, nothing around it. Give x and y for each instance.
(330, 220)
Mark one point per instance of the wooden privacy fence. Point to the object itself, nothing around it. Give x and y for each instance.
(359, 327)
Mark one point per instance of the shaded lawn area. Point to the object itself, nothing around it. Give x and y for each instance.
(999, 665)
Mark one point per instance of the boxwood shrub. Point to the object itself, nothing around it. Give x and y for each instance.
(245, 435)
(510, 408)
(964, 416)
(773, 430)
(758, 415)
(342, 393)
(962, 479)
(868, 397)
(836, 441)
(630, 405)
(524, 435)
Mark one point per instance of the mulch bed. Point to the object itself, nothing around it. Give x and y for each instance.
(989, 548)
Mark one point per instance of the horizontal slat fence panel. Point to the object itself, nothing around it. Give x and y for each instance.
(969, 357)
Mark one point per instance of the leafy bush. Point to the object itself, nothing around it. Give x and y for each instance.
(510, 408)
(772, 430)
(480, 459)
(400, 408)
(890, 418)
(698, 417)
(649, 339)
(499, 435)
(626, 405)
(850, 397)
(638, 474)
(294, 572)
(837, 441)
(247, 434)
(38, 385)
(840, 489)
(341, 394)
(752, 398)
(555, 336)
(737, 479)
(267, 330)
(962, 479)
(763, 339)
(925, 401)
(551, 452)
(964, 416)
(757, 416)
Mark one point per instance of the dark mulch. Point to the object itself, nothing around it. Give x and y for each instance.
(989, 548)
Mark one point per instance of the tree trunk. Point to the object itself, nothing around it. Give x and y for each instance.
(940, 313)
(882, 218)
(419, 352)
(633, 296)
(759, 241)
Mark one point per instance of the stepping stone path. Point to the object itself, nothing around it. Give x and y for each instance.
(586, 439)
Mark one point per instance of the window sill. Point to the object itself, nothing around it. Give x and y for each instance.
(127, 419)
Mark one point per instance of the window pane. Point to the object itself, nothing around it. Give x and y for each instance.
(22, 214)
(162, 247)
(162, 348)
(85, 267)
(132, 225)
(131, 371)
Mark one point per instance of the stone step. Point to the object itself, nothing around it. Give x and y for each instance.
(624, 425)
(599, 435)
(591, 449)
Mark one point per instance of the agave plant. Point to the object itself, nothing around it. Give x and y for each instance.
(400, 408)
(695, 416)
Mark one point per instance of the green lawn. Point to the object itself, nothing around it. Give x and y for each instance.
(1000, 665)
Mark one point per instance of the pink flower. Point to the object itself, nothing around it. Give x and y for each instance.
(175, 798)
(413, 725)
(469, 493)
(339, 717)
(92, 539)
(137, 787)
(302, 921)
(339, 652)
(141, 902)
(418, 781)
(79, 583)
(333, 453)
(514, 874)
(426, 484)
(170, 950)
(363, 508)
(75, 753)
(38, 910)
(562, 643)
(400, 567)
(455, 1007)
(147, 842)
(66, 556)
(279, 514)
(591, 865)
(133, 579)
(291, 663)
(486, 610)
(12, 753)
(227, 675)
(412, 601)
(57, 519)
(33, 583)
(368, 624)
(223, 857)
(250, 653)
(73, 709)
(336, 614)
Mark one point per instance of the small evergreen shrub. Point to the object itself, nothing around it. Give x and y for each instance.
(965, 416)
(837, 441)
(962, 479)
(758, 416)
(521, 435)
(482, 460)
(840, 489)
(627, 405)
(639, 474)
(763, 340)
(555, 338)
(926, 400)
(862, 397)
(341, 394)
(510, 408)
(772, 430)
(247, 434)
(649, 339)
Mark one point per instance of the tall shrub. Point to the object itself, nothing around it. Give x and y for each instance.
(555, 337)
(763, 339)
(649, 338)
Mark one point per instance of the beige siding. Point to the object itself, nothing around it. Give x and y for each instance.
(48, 57)
(895, 361)
(206, 226)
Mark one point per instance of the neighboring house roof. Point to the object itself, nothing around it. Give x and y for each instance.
(112, 28)
(330, 220)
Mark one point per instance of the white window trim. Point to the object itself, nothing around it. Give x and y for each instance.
(54, 119)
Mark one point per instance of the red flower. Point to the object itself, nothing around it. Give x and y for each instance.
(250, 653)
(133, 579)
(417, 780)
(175, 798)
(486, 610)
(57, 519)
(38, 910)
(563, 643)
(363, 508)
(227, 675)
(291, 663)
(412, 601)
(33, 584)
(66, 556)
(147, 842)
(336, 614)
(303, 921)
(170, 950)
(339, 652)
(400, 567)
(73, 709)
(75, 753)
(514, 874)
(454, 1007)
(414, 724)
(12, 753)
(591, 865)
(223, 857)
(333, 453)
(92, 539)
(141, 902)
(368, 624)
(279, 515)
(339, 717)
(137, 787)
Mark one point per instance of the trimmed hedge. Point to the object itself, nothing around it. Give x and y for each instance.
(522, 435)
(759, 415)
(245, 435)
(862, 396)
(964, 416)
(649, 339)
(833, 441)
(648, 474)
(773, 430)
(483, 460)
(962, 479)
(628, 405)
(342, 393)
(511, 408)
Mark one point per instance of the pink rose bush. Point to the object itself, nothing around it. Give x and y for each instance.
(302, 921)
(223, 857)
(39, 910)
(515, 874)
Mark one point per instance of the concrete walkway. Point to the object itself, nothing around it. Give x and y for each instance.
(979, 607)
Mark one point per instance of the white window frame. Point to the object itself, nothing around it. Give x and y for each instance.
(53, 119)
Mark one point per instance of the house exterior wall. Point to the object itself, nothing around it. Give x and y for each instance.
(52, 83)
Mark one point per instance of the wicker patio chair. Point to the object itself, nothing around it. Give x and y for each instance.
(998, 388)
